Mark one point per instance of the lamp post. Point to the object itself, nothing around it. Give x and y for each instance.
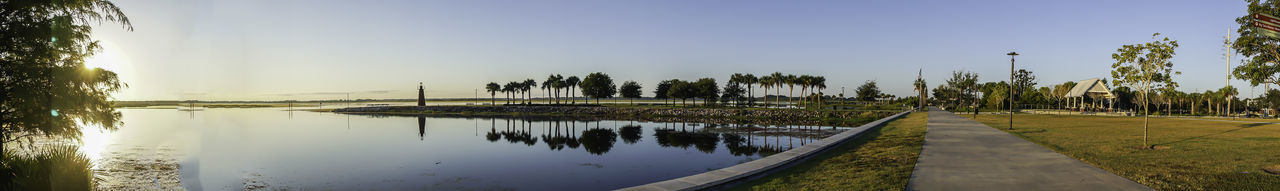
(1011, 55)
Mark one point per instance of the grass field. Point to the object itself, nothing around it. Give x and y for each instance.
(882, 159)
(1200, 154)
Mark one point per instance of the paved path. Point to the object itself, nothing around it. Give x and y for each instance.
(962, 154)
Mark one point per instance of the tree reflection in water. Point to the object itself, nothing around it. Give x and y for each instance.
(631, 134)
(519, 132)
(683, 138)
(598, 141)
(739, 140)
(493, 135)
(555, 141)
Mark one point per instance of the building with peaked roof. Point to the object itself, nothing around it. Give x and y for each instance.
(1092, 88)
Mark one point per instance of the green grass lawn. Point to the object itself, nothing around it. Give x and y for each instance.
(881, 159)
(1201, 154)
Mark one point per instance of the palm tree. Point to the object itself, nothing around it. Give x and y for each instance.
(509, 89)
(778, 79)
(743, 79)
(546, 85)
(749, 80)
(572, 82)
(765, 83)
(529, 84)
(791, 81)
(805, 81)
(558, 84)
(820, 83)
(493, 89)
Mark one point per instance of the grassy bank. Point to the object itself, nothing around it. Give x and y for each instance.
(1200, 154)
(882, 159)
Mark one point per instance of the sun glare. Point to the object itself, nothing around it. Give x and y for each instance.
(108, 59)
(95, 141)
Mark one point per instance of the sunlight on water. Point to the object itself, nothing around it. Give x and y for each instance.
(95, 141)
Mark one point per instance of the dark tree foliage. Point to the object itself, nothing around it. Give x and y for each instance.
(744, 79)
(630, 134)
(1124, 97)
(598, 141)
(630, 89)
(868, 91)
(681, 90)
(1271, 98)
(572, 82)
(493, 89)
(663, 87)
(44, 85)
(733, 92)
(707, 89)
(1023, 81)
(1263, 52)
(958, 91)
(598, 85)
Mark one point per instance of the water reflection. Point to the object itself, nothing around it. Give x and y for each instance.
(737, 139)
(422, 127)
(631, 134)
(245, 147)
(598, 141)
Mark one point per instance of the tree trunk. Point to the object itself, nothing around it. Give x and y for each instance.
(1145, 121)
(790, 92)
(765, 98)
(803, 97)
(778, 92)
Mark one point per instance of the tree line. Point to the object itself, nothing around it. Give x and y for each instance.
(738, 91)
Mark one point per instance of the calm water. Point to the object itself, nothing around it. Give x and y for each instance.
(269, 149)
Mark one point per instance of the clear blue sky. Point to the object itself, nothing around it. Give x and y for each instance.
(274, 50)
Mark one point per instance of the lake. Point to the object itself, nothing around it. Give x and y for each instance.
(271, 148)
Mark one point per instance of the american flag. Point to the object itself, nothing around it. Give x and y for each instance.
(918, 78)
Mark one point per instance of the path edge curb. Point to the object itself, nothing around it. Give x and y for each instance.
(721, 176)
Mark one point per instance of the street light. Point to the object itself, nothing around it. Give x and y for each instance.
(1011, 55)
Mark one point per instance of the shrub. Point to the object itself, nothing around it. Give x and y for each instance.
(51, 168)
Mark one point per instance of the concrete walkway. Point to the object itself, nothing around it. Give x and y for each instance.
(962, 154)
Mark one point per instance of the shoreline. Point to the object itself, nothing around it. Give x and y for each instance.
(702, 115)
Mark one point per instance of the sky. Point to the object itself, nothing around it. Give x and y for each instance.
(325, 49)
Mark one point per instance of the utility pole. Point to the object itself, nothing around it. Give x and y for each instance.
(1011, 55)
(1227, 44)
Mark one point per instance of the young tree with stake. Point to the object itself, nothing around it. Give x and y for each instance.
(1145, 66)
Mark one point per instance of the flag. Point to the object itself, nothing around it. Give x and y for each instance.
(918, 78)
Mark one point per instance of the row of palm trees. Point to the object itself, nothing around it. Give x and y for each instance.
(777, 80)
(551, 86)
(512, 90)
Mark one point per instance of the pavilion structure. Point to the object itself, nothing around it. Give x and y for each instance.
(1095, 90)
